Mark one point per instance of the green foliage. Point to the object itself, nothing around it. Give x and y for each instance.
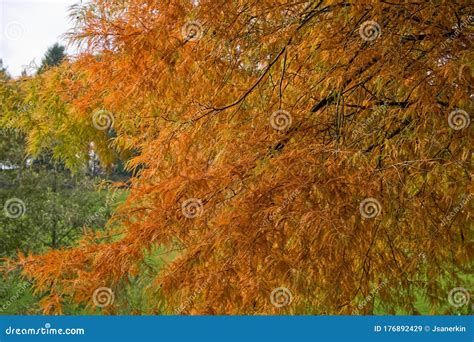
(16, 297)
(57, 208)
(3, 70)
(52, 219)
(53, 57)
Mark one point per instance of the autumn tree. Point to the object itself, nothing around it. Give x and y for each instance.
(53, 56)
(297, 157)
(43, 206)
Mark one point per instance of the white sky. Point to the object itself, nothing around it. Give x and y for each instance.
(28, 28)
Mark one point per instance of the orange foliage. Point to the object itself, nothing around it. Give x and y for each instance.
(261, 127)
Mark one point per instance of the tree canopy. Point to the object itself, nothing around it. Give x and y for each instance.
(307, 152)
(53, 57)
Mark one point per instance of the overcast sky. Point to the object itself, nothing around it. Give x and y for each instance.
(29, 27)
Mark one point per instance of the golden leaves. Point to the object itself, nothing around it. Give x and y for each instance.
(368, 119)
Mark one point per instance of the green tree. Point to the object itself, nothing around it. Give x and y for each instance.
(3, 70)
(53, 57)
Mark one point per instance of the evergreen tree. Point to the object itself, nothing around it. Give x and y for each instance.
(53, 57)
